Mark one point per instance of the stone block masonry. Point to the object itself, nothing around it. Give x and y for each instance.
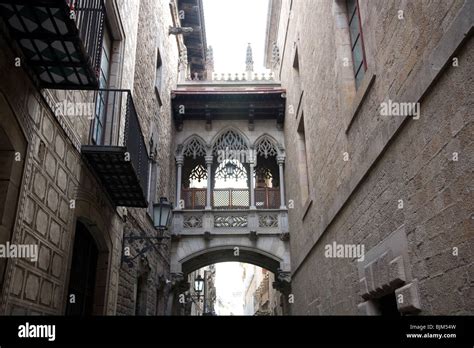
(369, 174)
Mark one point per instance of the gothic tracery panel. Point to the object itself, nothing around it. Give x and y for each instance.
(194, 148)
(265, 147)
(230, 140)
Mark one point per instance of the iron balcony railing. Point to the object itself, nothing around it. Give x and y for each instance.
(61, 40)
(265, 198)
(90, 22)
(115, 132)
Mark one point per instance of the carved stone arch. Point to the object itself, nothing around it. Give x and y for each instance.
(230, 138)
(266, 146)
(194, 146)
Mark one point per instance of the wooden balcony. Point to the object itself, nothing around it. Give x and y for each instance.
(228, 199)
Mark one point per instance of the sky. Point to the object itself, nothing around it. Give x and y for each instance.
(229, 289)
(230, 26)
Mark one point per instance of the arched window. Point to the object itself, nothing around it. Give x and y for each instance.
(266, 174)
(194, 180)
(230, 171)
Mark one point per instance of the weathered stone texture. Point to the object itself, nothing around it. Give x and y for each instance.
(59, 189)
(356, 201)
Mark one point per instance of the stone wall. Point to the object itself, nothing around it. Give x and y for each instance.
(58, 189)
(371, 175)
(153, 106)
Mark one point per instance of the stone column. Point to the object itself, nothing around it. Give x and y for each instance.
(209, 182)
(179, 163)
(281, 161)
(183, 66)
(252, 183)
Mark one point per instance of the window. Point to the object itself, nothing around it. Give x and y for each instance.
(141, 295)
(303, 161)
(152, 177)
(357, 41)
(296, 61)
(159, 75)
(100, 112)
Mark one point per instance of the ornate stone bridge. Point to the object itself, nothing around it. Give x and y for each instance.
(230, 196)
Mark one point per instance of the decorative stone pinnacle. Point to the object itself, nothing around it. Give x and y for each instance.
(275, 56)
(249, 59)
(210, 57)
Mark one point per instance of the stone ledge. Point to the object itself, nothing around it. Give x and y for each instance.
(360, 96)
(408, 298)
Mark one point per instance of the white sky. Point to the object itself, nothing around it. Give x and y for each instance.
(230, 26)
(229, 289)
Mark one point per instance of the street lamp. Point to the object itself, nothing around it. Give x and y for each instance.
(162, 213)
(198, 284)
(230, 169)
(161, 218)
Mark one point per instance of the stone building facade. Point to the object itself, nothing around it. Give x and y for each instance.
(397, 186)
(260, 297)
(53, 198)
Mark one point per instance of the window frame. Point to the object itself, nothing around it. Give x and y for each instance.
(350, 18)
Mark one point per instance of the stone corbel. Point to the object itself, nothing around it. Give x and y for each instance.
(178, 283)
(282, 282)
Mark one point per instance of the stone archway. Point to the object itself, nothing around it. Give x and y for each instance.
(13, 145)
(268, 254)
(229, 254)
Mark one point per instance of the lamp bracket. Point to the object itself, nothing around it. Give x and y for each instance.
(140, 250)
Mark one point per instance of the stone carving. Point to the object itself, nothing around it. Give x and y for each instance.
(230, 140)
(198, 173)
(192, 221)
(265, 147)
(179, 30)
(268, 220)
(230, 221)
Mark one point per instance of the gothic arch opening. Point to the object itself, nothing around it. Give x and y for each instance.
(230, 175)
(13, 146)
(194, 180)
(266, 174)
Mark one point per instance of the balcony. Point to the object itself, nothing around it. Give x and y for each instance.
(227, 199)
(230, 212)
(116, 149)
(60, 40)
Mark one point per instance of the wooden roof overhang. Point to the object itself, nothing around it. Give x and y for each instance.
(229, 104)
(195, 41)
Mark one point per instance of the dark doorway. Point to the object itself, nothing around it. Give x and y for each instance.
(83, 271)
(387, 305)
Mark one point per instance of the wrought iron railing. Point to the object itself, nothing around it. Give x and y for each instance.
(89, 16)
(60, 39)
(115, 124)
